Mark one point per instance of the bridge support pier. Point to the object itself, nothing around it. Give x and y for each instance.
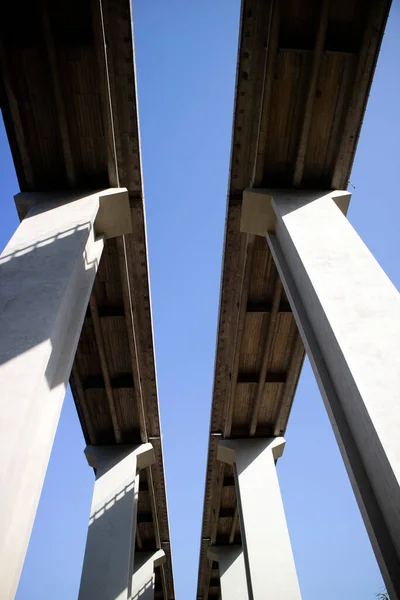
(348, 314)
(232, 571)
(267, 550)
(108, 566)
(143, 577)
(47, 272)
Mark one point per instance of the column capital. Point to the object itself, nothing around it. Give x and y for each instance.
(227, 448)
(157, 557)
(216, 552)
(113, 217)
(143, 578)
(144, 454)
(259, 211)
(232, 571)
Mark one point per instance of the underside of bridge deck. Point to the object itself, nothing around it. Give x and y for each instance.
(68, 98)
(303, 76)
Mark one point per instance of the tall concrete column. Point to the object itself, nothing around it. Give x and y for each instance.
(268, 554)
(110, 546)
(232, 571)
(46, 276)
(348, 314)
(143, 582)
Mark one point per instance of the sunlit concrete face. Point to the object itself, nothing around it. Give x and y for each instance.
(143, 581)
(46, 275)
(232, 571)
(110, 547)
(348, 314)
(267, 550)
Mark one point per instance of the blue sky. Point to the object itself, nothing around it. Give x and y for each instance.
(186, 59)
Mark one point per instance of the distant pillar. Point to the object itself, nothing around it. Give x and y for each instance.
(232, 571)
(46, 276)
(265, 539)
(348, 314)
(143, 583)
(110, 546)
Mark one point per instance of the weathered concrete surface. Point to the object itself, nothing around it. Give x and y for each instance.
(232, 571)
(348, 313)
(46, 276)
(110, 546)
(143, 581)
(265, 538)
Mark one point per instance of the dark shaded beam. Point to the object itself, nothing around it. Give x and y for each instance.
(369, 49)
(266, 307)
(111, 311)
(244, 377)
(312, 85)
(145, 517)
(107, 311)
(288, 393)
(217, 500)
(273, 322)
(149, 545)
(242, 431)
(139, 542)
(104, 82)
(61, 113)
(132, 340)
(125, 380)
(80, 401)
(235, 198)
(13, 122)
(344, 51)
(143, 485)
(214, 570)
(224, 540)
(234, 525)
(341, 37)
(158, 584)
(229, 481)
(98, 334)
(272, 15)
(245, 281)
(226, 513)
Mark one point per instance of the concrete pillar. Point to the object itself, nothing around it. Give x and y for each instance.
(268, 554)
(348, 314)
(110, 546)
(46, 276)
(232, 571)
(143, 575)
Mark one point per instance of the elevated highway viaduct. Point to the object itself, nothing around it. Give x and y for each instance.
(296, 278)
(75, 300)
(69, 103)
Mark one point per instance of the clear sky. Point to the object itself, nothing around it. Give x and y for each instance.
(186, 59)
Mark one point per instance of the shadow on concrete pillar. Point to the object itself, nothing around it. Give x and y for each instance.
(108, 566)
(232, 571)
(143, 581)
(268, 556)
(46, 275)
(348, 314)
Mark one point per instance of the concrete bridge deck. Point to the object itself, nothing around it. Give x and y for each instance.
(68, 97)
(303, 76)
